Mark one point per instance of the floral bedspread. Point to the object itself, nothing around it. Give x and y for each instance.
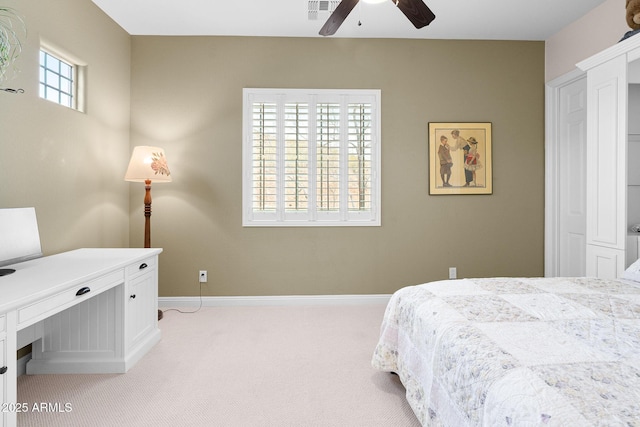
(516, 352)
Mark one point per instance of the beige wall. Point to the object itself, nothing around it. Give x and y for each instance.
(184, 94)
(69, 165)
(187, 98)
(599, 29)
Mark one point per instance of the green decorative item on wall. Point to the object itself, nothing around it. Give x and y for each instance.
(12, 28)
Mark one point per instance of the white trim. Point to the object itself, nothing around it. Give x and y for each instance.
(552, 148)
(290, 300)
(21, 366)
(629, 46)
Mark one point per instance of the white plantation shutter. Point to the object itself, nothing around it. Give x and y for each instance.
(296, 157)
(311, 157)
(264, 170)
(328, 157)
(360, 157)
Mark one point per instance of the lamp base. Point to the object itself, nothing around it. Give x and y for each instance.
(6, 271)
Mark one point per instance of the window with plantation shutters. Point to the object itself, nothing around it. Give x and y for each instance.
(311, 157)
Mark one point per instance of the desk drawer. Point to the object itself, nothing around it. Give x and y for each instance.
(141, 266)
(56, 303)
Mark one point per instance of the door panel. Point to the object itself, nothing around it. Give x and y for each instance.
(572, 124)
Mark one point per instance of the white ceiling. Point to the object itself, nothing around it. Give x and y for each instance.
(462, 19)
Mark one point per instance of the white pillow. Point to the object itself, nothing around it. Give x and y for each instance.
(633, 272)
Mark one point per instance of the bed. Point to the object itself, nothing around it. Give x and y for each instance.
(517, 351)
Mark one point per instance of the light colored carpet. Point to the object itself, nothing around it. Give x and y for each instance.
(238, 366)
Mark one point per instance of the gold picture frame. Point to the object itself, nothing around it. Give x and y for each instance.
(460, 158)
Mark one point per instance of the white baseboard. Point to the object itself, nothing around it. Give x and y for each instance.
(274, 300)
(21, 368)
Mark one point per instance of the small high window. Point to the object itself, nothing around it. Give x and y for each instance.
(58, 80)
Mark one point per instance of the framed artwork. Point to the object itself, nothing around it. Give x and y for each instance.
(460, 158)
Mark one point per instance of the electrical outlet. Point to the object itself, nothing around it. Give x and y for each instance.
(453, 273)
(202, 277)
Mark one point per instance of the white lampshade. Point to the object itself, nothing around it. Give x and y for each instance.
(374, 1)
(148, 163)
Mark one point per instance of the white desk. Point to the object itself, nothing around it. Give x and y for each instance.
(86, 311)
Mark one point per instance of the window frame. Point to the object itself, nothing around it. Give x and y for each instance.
(313, 217)
(78, 70)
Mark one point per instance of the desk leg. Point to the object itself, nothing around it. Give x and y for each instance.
(9, 417)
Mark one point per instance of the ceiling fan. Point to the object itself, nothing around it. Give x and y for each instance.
(415, 10)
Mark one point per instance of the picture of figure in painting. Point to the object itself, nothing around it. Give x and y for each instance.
(458, 157)
(468, 175)
(472, 162)
(444, 154)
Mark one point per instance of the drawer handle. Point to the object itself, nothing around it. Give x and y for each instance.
(143, 266)
(83, 291)
(132, 296)
(3, 370)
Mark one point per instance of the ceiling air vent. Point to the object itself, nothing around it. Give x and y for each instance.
(321, 9)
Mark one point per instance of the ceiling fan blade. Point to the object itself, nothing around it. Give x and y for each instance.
(337, 17)
(417, 12)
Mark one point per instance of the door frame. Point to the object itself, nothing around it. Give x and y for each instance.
(551, 181)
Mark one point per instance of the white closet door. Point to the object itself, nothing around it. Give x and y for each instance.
(606, 167)
(572, 188)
